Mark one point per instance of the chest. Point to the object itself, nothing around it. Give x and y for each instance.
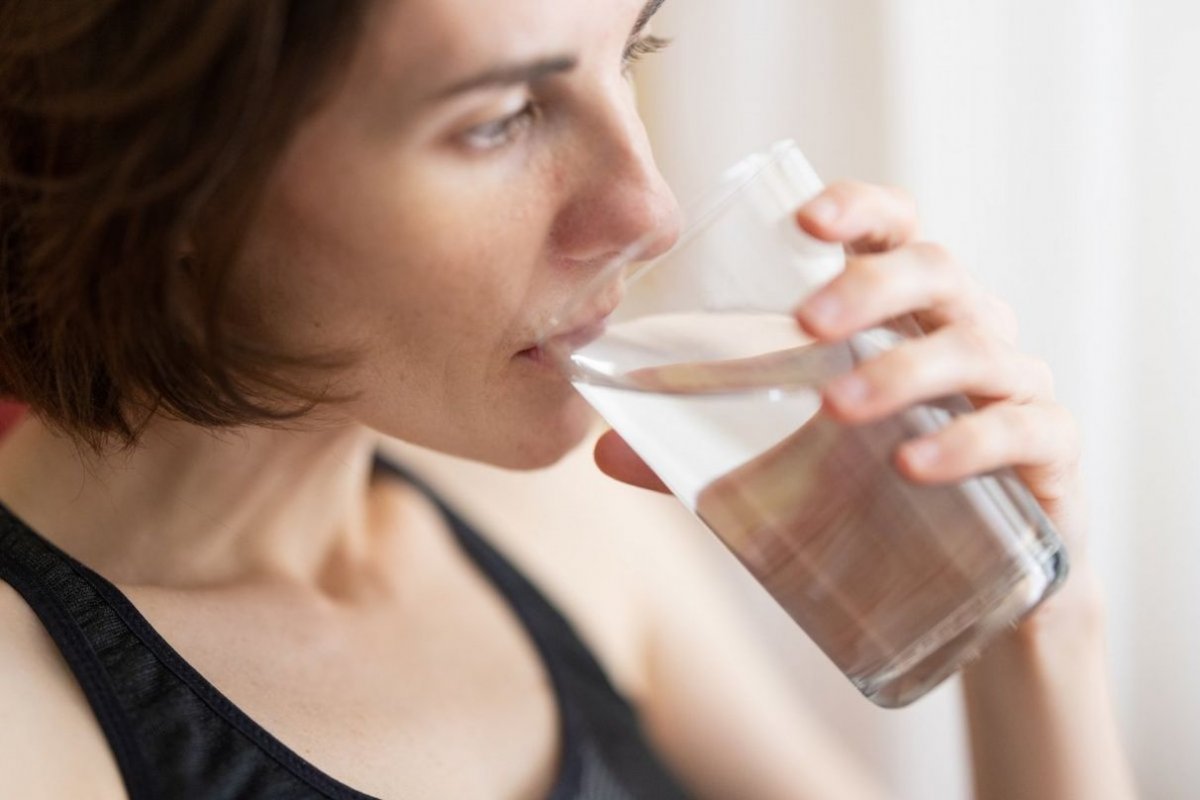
(438, 693)
(434, 690)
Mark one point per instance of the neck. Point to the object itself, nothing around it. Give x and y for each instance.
(191, 507)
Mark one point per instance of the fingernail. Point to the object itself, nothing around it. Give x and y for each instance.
(848, 390)
(823, 210)
(822, 309)
(922, 455)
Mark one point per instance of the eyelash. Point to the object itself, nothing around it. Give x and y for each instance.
(643, 46)
(498, 133)
(501, 132)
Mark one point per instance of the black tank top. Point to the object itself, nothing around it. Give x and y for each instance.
(175, 737)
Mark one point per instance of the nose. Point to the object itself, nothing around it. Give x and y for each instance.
(618, 198)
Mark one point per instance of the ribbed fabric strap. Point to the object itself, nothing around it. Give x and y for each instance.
(87, 668)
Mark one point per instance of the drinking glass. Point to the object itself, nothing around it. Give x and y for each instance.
(696, 359)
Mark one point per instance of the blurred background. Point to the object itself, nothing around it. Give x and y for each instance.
(1053, 146)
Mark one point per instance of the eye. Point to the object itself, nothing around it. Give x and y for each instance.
(640, 47)
(503, 131)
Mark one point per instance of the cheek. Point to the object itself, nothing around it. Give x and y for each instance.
(318, 274)
(435, 285)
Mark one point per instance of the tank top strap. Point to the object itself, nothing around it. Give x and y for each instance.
(172, 733)
(85, 631)
(557, 639)
(606, 754)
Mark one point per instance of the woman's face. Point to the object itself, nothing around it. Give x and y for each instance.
(480, 161)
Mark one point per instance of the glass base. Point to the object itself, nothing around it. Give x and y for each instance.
(911, 675)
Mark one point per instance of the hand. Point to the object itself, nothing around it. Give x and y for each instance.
(970, 348)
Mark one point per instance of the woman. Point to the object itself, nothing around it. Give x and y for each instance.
(245, 239)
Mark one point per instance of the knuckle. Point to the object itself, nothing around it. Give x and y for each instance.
(1024, 424)
(848, 190)
(1043, 440)
(950, 280)
(970, 437)
(1005, 317)
(869, 273)
(902, 366)
(1031, 378)
(906, 207)
(1012, 430)
(1044, 380)
(893, 198)
(934, 254)
(976, 344)
(902, 196)
(1052, 481)
(1059, 471)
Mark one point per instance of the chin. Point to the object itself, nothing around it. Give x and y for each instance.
(545, 439)
(519, 436)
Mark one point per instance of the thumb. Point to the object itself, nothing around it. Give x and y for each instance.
(616, 459)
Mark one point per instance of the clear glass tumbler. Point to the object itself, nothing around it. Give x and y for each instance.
(694, 357)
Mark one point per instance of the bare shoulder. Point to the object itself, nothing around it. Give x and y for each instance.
(602, 551)
(50, 743)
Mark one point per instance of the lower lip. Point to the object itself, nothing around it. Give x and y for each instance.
(535, 355)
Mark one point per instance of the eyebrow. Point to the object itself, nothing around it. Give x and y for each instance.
(538, 69)
(651, 8)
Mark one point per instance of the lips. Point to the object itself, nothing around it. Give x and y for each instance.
(586, 324)
(580, 335)
(571, 339)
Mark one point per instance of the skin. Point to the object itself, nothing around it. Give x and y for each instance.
(409, 229)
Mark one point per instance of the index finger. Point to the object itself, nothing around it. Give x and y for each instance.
(616, 459)
(865, 217)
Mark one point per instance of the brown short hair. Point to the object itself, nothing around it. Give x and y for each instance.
(136, 137)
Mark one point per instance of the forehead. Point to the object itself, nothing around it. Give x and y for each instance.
(438, 39)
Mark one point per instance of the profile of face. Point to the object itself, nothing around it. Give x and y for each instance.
(476, 164)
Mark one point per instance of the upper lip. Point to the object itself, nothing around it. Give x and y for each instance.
(577, 335)
(589, 327)
(580, 334)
